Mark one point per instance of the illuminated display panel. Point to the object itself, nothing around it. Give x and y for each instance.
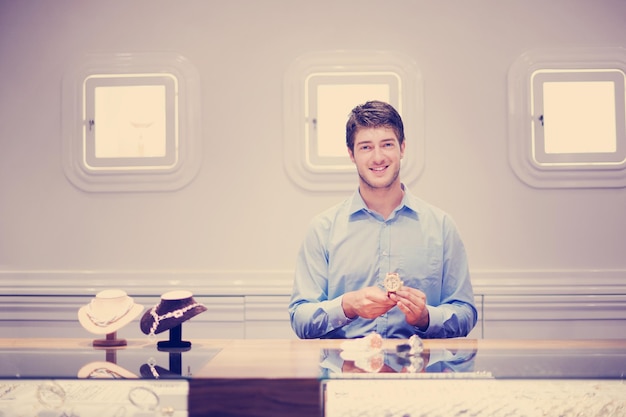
(579, 117)
(131, 122)
(567, 117)
(320, 91)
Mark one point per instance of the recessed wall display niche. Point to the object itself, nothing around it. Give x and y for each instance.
(131, 123)
(321, 88)
(567, 118)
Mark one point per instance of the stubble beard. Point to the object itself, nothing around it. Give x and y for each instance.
(386, 186)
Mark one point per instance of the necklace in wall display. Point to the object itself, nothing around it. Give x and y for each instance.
(108, 312)
(174, 308)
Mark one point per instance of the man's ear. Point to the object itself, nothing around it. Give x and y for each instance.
(351, 154)
(402, 149)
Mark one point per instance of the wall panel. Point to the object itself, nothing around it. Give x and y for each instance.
(234, 231)
(521, 304)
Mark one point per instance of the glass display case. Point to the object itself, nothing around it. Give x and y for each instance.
(82, 380)
(522, 379)
(269, 377)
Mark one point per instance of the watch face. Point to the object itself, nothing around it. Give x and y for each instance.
(392, 282)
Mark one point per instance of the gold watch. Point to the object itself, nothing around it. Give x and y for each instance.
(392, 282)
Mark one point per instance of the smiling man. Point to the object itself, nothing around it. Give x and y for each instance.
(383, 260)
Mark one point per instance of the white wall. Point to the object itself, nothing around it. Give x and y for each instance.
(242, 213)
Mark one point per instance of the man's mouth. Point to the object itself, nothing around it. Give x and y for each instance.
(379, 169)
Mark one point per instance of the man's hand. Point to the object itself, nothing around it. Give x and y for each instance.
(369, 303)
(412, 303)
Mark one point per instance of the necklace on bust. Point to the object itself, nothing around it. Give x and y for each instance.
(104, 322)
(170, 314)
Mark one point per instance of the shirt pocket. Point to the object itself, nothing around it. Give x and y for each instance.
(421, 268)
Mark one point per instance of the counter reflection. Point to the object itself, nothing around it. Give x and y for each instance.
(334, 362)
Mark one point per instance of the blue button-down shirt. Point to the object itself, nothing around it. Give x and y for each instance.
(350, 247)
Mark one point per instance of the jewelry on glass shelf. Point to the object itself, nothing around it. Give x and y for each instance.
(50, 394)
(409, 354)
(105, 373)
(152, 364)
(144, 398)
(168, 411)
(106, 321)
(170, 314)
(174, 308)
(415, 346)
(108, 311)
(6, 389)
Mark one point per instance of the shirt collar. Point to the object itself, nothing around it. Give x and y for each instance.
(409, 201)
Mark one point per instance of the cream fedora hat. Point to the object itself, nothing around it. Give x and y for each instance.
(108, 312)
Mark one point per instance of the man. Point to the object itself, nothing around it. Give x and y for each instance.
(381, 231)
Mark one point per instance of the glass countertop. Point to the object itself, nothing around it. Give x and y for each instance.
(517, 377)
(146, 362)
(317, 359)
(475, 363)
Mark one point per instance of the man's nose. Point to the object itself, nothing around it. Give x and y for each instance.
(378, 154)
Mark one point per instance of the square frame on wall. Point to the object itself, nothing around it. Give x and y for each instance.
(321, 88)
(131, 122)
(567, 117)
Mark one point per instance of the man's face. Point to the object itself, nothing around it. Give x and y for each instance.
(377, 154)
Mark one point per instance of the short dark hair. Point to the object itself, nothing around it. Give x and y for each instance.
(373, 114)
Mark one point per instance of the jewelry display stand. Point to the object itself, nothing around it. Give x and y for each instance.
(175, 343)
(106, 369)
(174, 308)
(110, 341)
(111, 356)
(175, 370)
(106, 313)
(176, 363)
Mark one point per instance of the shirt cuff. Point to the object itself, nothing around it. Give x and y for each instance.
(435, 322)
(336, 317)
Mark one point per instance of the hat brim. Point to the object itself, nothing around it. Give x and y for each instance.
(91, 327)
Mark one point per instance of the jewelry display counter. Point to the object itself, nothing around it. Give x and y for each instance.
(267, 377)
